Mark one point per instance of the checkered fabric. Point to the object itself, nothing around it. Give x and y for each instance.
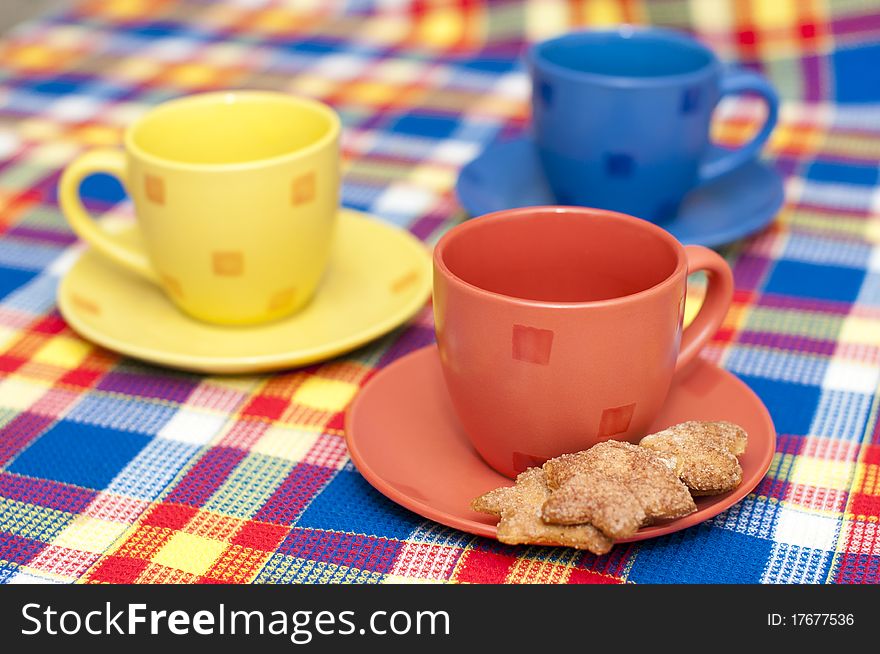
(114, 471)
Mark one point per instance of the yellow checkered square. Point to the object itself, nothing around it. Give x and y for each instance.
(734, 319)
(399, 70)
(226, 54)
(390, 29)
(193, 74)
(125, 8)
(693, 303)
(442, 27)
(730, 133)
(708, 14)
(325, 394)
(89, 534)
(190, 553)
(546, 18)
(872, 231)
(38, 129)
(35, 57)
(794, 138)
(602, 13)
(136, 69)
(778, 14)
(437, 178)
(274, 20)
(312, 85)
(63, 351)
(19, 393)
(810, 471)
(285, 443)
(7, 337)
(369, 92)
(96, 135)
(860, 330)
(54, 154)
(500, 107)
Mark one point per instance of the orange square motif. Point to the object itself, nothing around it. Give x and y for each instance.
(228, 264)
(303, 189)
(155, 189)
(282, 299)
(532, 344)
(616, 420)
(172, 284)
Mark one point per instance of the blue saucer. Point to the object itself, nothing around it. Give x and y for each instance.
(508, 174)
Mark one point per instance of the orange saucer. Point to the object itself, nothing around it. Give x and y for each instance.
(404, 438)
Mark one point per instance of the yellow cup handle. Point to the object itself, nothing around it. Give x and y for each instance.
(113, 163)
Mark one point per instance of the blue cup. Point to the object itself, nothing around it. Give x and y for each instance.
(621, 118)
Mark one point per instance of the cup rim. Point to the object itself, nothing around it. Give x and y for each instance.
(539, 61)
(586, 212)
(231, 96)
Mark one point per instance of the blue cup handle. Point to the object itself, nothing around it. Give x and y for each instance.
(733, 81)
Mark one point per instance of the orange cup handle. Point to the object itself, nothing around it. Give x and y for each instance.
(719, 295)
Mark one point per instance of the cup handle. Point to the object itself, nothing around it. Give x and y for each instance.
(719, 295)
(734, 81)
(99, 161)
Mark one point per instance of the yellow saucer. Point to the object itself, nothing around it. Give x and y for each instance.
(378, 278)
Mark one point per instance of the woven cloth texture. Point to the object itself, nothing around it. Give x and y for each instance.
(115, 471)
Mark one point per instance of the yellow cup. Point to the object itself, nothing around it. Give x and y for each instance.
(236, 196)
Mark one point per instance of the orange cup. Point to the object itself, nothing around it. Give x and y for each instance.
(560, 327)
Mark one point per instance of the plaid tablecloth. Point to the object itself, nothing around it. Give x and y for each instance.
(114, 471)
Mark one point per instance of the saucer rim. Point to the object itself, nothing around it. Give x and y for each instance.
(262, 363)
(709, 239)
(721, 503)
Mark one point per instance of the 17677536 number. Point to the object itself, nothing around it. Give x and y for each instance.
(810, 620)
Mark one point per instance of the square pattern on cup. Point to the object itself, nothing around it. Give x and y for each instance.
(154, 189)
(303, 189)
(803, 333)
(532, 344)
(228, 263)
